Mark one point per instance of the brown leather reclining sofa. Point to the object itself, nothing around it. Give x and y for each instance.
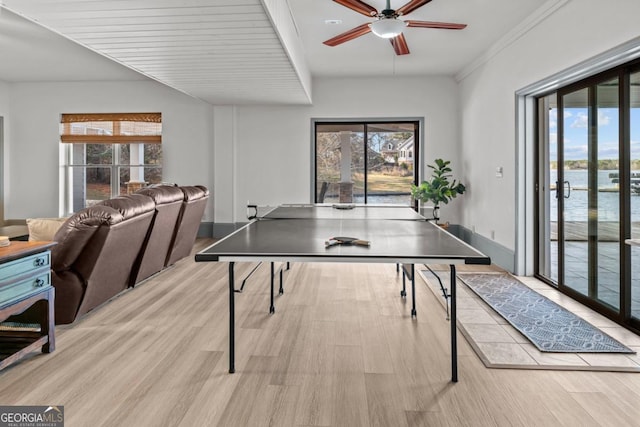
(104, 249)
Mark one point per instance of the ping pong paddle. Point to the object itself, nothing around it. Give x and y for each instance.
(344, 206)
(346, 241)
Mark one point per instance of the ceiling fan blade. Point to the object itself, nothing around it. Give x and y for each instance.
(358, 31)
(411, 6)
(428, 24)
(399, 44)
(358, 6)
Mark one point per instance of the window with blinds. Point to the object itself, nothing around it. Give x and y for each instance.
(108, 155)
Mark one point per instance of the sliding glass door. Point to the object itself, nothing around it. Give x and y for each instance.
(366, 162)
(590, 208)
(588, 192)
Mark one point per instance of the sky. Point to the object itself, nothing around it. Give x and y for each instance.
(575, 139)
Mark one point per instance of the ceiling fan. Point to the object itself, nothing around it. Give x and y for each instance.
(387, 24)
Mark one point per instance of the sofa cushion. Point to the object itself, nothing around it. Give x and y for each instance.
(163, 194)
(194, 192)
(130, 205)
(168, 200)
(193, 207)
(43, 229)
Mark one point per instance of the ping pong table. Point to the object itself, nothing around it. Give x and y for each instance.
(299, 233)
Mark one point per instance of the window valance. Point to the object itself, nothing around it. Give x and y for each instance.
(111, 128)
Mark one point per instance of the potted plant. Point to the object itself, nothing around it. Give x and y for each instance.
(439, 189)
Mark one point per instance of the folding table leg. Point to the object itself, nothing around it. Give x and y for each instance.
(272, 308)
(454, 331)
(414, 313)
(232, 322)
(281, 291)
(403, 292)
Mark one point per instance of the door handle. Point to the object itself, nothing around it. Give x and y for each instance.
(568, 194)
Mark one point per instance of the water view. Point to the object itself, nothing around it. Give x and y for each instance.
(575, 206)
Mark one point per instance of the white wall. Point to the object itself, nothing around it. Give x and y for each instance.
(33, 186)
(223, 161)
(577, 31)
(272, 155)
(4, 113)
(4, 99)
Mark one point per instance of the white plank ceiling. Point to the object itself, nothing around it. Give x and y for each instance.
(244, 51)
(221, 51)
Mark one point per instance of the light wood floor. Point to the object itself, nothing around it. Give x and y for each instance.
(341, 349)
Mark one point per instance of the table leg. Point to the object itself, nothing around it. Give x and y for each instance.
(414, 313)
(272, 308)
(403, 292)
(48, 321)
(281, 291)
(454, 330)
(232, 310)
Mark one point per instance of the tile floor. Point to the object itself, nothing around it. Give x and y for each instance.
(499, 345)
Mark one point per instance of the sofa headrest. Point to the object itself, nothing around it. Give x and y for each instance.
(194, 192)
(131, 205)
(76, 231)
(163, 194)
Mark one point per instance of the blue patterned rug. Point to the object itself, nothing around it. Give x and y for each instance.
(546, 324)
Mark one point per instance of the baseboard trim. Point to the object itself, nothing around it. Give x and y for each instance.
(205, 229)
(500, 255)
(222, 229)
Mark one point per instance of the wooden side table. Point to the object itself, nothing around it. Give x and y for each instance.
(25, 282)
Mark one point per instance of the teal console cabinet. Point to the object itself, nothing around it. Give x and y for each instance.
(25, 283)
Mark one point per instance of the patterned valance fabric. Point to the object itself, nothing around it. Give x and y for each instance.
(111, 128)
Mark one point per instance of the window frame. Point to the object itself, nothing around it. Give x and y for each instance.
(419, 123)
(115, 130)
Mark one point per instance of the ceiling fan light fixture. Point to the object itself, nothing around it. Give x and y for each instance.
(387, 28)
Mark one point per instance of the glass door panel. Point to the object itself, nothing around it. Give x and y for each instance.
(607, 197)
(390, 164)
(547, 194)
(358, 171)
(573, 189)
(339, 159)
(634, 160)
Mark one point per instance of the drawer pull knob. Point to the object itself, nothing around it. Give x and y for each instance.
(38, 283)
(39, 262)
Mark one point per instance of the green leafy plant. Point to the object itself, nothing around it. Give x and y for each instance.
(439, 189)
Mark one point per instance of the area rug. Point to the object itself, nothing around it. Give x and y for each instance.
(548, 326)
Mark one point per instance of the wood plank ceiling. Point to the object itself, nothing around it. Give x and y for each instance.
(221, 51)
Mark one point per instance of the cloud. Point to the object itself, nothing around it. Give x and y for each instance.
(603, 118)
(581, 121)
(608, 153)
(576, 152)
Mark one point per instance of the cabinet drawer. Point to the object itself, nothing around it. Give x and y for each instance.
(22, 288)
(24, 265)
